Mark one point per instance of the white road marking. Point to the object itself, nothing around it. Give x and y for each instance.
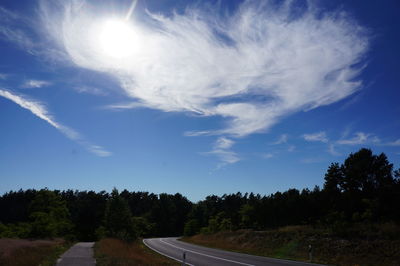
(144, 242)
(218, 258)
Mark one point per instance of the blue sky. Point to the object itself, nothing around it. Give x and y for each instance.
(204, 97)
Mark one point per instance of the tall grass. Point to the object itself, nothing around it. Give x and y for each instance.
(110, 251)
(44, 255)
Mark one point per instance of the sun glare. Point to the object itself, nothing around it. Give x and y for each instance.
(117, 38)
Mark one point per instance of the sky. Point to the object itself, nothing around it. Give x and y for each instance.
(194, 97)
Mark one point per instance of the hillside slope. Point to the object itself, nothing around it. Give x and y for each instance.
(379, 247)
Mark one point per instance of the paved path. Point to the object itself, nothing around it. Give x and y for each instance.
(198, 255)
(80, 254)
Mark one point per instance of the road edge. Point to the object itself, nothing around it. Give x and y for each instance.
(162, 253)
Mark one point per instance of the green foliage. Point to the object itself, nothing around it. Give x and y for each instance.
(337, 223)
(247, 216)
(333, 179)
(101, 232)
(219, 222)
(205, 230)
(287, 250)
(191, 228)
(225, 225)
(19, 230)
(213, 225)
(49, 215)
(87, 210)
(5, 231)
(367, 173)
(118, 218)
(142, 226)
(43, 225)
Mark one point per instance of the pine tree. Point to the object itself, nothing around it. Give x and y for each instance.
(118, 218)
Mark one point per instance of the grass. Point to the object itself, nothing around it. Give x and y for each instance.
(21, 252)
(292, 243)
(110, 251)
(288, 250)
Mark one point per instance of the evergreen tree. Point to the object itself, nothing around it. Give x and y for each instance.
(333, 179)
(118, 218)
(49, 215)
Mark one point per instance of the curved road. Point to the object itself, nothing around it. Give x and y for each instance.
(198, 255)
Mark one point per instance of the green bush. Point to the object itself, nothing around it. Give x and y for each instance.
(191, 228)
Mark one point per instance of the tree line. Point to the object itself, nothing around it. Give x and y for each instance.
(365, 188)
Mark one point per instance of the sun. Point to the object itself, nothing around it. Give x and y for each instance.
(117, 38)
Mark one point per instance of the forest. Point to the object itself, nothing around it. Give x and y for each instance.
(365, 188)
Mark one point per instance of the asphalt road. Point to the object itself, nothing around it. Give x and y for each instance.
(79, 254)
(198, 255)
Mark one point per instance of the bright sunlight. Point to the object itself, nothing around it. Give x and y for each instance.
(117, 38)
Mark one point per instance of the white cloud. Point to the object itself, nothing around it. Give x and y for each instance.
(318, 136)
(224, 143)
(393, 143)
(99, 151)
(32, 83)
(251, 68)
(40, 111)
(90, 90)
(312, 160)
(267, 155)
(291, 148)
(226, 156)
(35, 107)
(11, 29)
(222, 150)
(375, 140)
(131, 105)
(359, 138)
(3, 76)
(332, 150)
(281, 140)
(197, 133)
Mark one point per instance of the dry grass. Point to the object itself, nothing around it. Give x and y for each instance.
(111, 251)
(21, 252)
(292, 243)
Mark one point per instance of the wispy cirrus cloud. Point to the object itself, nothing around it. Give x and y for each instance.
(261, 53)
(318, 136)
(222, 149)
(394, 143)
(281, 140)
(312, 160)
(251, 68)
(91, 90)
(33, 83)
(224, 143)
(332, 150)
(98, 150)
(131, 105)
(267, 155)
(40, 111)
(359, 138)
(13, 29)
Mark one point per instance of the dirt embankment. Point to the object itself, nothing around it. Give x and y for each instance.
(293, 243)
